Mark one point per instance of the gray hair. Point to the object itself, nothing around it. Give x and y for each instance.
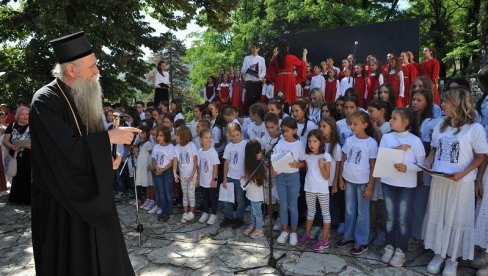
(59, 70)
(20, 110)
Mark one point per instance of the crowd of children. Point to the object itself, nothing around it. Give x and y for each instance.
(334, 145)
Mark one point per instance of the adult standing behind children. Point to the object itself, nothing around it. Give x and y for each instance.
(253, 70)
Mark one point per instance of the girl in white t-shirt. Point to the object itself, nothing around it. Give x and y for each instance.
(168, 121)
(186, 155)
(458, 148)
(332, 146)
(254, 189)
(317, 187)
(350, 106)
(234, 155)
(399, 191)
(163, 158)
(288, 183)
(305, 125)
(208, 163)
(143, 169)
(176, 109)
(358, 161)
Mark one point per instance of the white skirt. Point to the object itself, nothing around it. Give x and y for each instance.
(448, 227)
(481, 226)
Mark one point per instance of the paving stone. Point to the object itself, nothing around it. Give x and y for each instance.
(184, 254)
(311, 263)
(138, 262)
(154, 270)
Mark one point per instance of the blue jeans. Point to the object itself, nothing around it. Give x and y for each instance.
(257, 214)
(240, 199)
(421, 197)
(398, 204)
(163, 185)
(288, 186)
(357, 214)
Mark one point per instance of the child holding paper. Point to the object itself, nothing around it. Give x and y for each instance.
(288, 184)
(399, 193)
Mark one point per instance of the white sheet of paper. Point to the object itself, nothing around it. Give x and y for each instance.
(281, 163)
(384, 163)
(227, 195)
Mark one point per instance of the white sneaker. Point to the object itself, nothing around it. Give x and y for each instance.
(282, 238)
(153, 209)
(183, 217)
(190, 216)
(389, 250)
(435, 264)
(450, 268)
(159, 211)
(203, 218)
(277, 226)
(398, 259)
(293, 239)
(212, 219)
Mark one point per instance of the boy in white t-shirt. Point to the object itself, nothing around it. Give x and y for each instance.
(257, 128)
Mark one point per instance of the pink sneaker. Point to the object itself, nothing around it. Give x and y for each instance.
(150, 205)
(320, 245)
(144, 204)
(303, 241)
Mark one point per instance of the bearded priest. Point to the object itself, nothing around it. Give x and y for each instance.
(75, 225)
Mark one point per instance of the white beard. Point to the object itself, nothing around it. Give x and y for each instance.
(87, 96)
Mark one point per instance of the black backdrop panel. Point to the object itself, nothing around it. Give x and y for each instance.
(377, 39)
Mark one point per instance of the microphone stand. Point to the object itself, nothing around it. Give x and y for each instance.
(272, 261)
(353, 60)
(139, 227)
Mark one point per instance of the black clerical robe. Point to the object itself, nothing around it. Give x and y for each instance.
(75, 225)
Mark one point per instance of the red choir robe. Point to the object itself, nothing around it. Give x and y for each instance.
(224, 94)
(393, 78)
(430, 69)
(409, 75)
(360, 86)
(331, 87)
(237, 86)
(373, 83)
(283, 78)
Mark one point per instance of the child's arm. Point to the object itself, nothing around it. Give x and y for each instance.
(324, 168)
(155, 166)
(342, 185)
(170, 164)
(175, 170)
(479, 183)
(337, 174)
(430, 158)
(215, 176)
(477, 161)
(226, 169)
(195, 166)
(368, 193)
(297, 164)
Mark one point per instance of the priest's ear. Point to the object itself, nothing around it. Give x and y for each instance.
(70, 70)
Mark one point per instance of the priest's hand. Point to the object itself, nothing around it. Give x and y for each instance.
(122, 135)
(116, 162)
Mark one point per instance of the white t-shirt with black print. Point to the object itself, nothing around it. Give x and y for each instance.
(358, 152)
(163, 154)
(296, 149)
(344, 130)
(234, 154)
(314, 181)
(184, 155)
(206, 160)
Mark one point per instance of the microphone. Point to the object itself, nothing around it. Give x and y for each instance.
(356, 43)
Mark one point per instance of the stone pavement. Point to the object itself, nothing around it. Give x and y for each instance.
(196, 249)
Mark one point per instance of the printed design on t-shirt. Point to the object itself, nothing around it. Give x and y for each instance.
(448, 149)
(354, 155)
(184, 158)
(161, 159)
(344, 137)
(234, 157)
(16, 135)
(204, 165)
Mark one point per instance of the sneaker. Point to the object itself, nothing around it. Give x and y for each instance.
(277, 226)
(203, 218)
(398, 259)
(153, 210)
(320, 245)
(159, 211)
(379, 239)
(435, 265)
(238, 223)
(293, 239)
(168, 217)
(414, 244)
(248, 230)
(341, 228)
(450, 268)
(150, 205)
(303, 241)
(183, 218)
(146, 202)
(190, 216)
(226, 222)
(282, 238)
(358, 249)
(343, 243)
(212, 219)
(389, 250)
(258, 233)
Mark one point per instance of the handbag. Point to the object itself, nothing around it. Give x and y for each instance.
(11, 165)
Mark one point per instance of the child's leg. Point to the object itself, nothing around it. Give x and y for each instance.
(257, 214)
(167, 191)
(293, 191)
(214, 197)
(283, 196)
(158, 190)
(391, 203)
(311, 200)
(191, 196)
(405, 199)
(240, 198)
(150, 192)
(361, 233)
(351, 210)
(421, 198)
(184, 189)
(324, 206)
